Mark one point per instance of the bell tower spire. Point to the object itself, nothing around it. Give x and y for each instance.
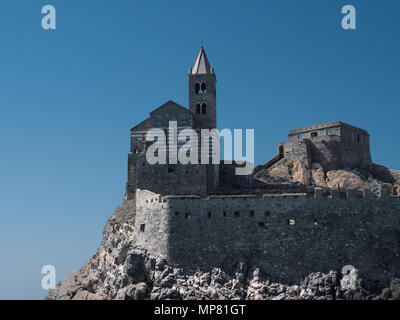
(202, 91)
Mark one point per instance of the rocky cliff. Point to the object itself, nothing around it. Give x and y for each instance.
(120, 270)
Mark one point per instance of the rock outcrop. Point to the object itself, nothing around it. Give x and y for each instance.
(374, 177)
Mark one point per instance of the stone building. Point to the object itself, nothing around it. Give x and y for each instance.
(199, 179)
(335, 145)
(203, 216)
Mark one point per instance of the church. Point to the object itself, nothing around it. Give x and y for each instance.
(198, 179)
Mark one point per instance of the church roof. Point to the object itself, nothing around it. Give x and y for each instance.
(141, 125)
(202, 65)
(168, 104)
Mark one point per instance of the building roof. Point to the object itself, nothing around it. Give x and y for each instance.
(141, 125)
(145, 123)
(202, 65)
(167, 104)
(324, 126)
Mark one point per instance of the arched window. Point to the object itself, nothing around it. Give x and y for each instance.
(198, 108)
(203, 108)
(197, 88)
(203, 87)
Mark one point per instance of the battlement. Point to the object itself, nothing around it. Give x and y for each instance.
(327, 125)
(319, 193)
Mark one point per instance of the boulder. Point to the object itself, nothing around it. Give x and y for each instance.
(395, 175)
(86, 295)
(301, 173)
(280, 171)
(341, 179)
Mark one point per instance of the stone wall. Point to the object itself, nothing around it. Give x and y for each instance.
(131, 183)
(167, 179)
(152, 223)
(356, 147)
(296, 150)
(289, 236)
(178, 179)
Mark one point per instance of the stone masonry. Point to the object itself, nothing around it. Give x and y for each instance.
(183, 215)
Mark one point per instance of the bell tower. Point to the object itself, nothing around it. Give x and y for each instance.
(202, 91)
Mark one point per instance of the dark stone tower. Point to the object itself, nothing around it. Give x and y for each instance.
(202, 91)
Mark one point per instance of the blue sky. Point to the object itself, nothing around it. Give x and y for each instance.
(68, 98)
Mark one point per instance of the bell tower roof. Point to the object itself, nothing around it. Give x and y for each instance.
(202, 65)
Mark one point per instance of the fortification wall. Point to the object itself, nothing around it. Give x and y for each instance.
(288, 236)
(330, 153)
(152, 223)
(131, 182)
(356, 148)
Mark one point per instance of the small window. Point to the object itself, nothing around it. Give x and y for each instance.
(197, 88)
(203, 108)
(177, 213)
(263, 225)
(291, 222)
(142, 227)
(281, 150)
(171, 168)
(358, 137)
(237, 214)
(198, 108)
(187, 215)
(267, 213)
(209, 214)
(299, 137)
(314, 134)
(251, 213)
(328, 132)
(224, 214)
(203, 87)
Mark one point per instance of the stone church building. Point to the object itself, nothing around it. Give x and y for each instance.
(334, 145)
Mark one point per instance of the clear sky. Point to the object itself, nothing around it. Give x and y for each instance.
(68, 98)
